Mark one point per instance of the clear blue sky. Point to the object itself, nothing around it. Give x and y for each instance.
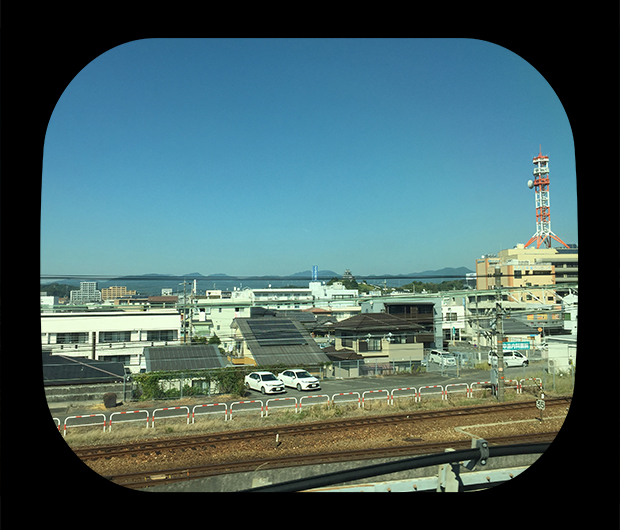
(256, 157)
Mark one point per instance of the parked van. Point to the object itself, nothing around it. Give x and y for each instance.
(511, 358)
(443, 358)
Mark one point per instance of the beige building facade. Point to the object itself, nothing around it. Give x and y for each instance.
(528, 267)
(116, 291)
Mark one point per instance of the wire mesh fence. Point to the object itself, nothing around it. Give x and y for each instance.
(554, 373)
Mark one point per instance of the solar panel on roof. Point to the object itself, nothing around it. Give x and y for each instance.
(276, 333)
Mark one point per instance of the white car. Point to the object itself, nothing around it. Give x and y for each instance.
(511, 358)
(299, 379)
(442, 357)
(266, 382)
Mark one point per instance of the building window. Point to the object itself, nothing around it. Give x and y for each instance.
(125, 359)
(115, 336)
(71, 338)
(161, 335)
(374, 344)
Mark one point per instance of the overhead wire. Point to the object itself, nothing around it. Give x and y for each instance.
(200, 278)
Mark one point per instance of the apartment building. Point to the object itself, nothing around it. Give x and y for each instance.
(87, 292)
(116, 291)
(528, 267)
(564, 260)
(109, 335)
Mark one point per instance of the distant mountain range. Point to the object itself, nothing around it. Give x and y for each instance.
(152, 283)
(447, 273)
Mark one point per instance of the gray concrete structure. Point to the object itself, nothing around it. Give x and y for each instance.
(261, 477)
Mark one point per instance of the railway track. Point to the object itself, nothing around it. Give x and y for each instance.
(151, 478)
(187, 442)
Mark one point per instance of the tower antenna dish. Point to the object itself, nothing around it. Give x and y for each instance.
(543, 235)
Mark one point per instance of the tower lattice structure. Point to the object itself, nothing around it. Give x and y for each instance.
(543, 235)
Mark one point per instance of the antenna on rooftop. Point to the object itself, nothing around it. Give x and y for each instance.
(543, 234)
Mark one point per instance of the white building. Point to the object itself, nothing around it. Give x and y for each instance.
(333, 296)
(115, 336)
(561, 353)
(570, 308)
(453, 318)
(88, 292)
(48, 301)
(215, 312)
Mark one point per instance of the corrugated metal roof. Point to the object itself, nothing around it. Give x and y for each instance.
(196, 357)
(281, 348)
(64, 370)
(376, 321)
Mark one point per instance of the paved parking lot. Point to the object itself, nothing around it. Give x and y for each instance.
(362, 384)
(389, 382)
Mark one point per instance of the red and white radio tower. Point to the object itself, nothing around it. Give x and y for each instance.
(540, 184)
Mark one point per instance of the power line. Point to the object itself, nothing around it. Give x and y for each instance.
(106, 277)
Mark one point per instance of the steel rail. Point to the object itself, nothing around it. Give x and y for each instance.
(339, 477)
(185, 442)
(155, 477)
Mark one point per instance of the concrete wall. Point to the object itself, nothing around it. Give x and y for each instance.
(413, 351)
(68, 393)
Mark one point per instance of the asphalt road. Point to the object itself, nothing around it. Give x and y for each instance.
(328, 387)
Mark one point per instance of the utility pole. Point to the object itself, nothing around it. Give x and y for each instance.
(499, 330)
(184, 312)
(92, 355)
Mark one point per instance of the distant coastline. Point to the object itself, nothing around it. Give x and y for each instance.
(153, 283)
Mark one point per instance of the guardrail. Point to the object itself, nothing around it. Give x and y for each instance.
(539, 384)
(281, 406)
(516, 386)
(214, 412)
(243, 403)
(301, 399)
(483, 386)
(256, 404)
(415, 393)
(376, 391)
(171, 415)
(347, 394)
(433, 392)
(446, 391)
(126, 421)
(83, 424)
